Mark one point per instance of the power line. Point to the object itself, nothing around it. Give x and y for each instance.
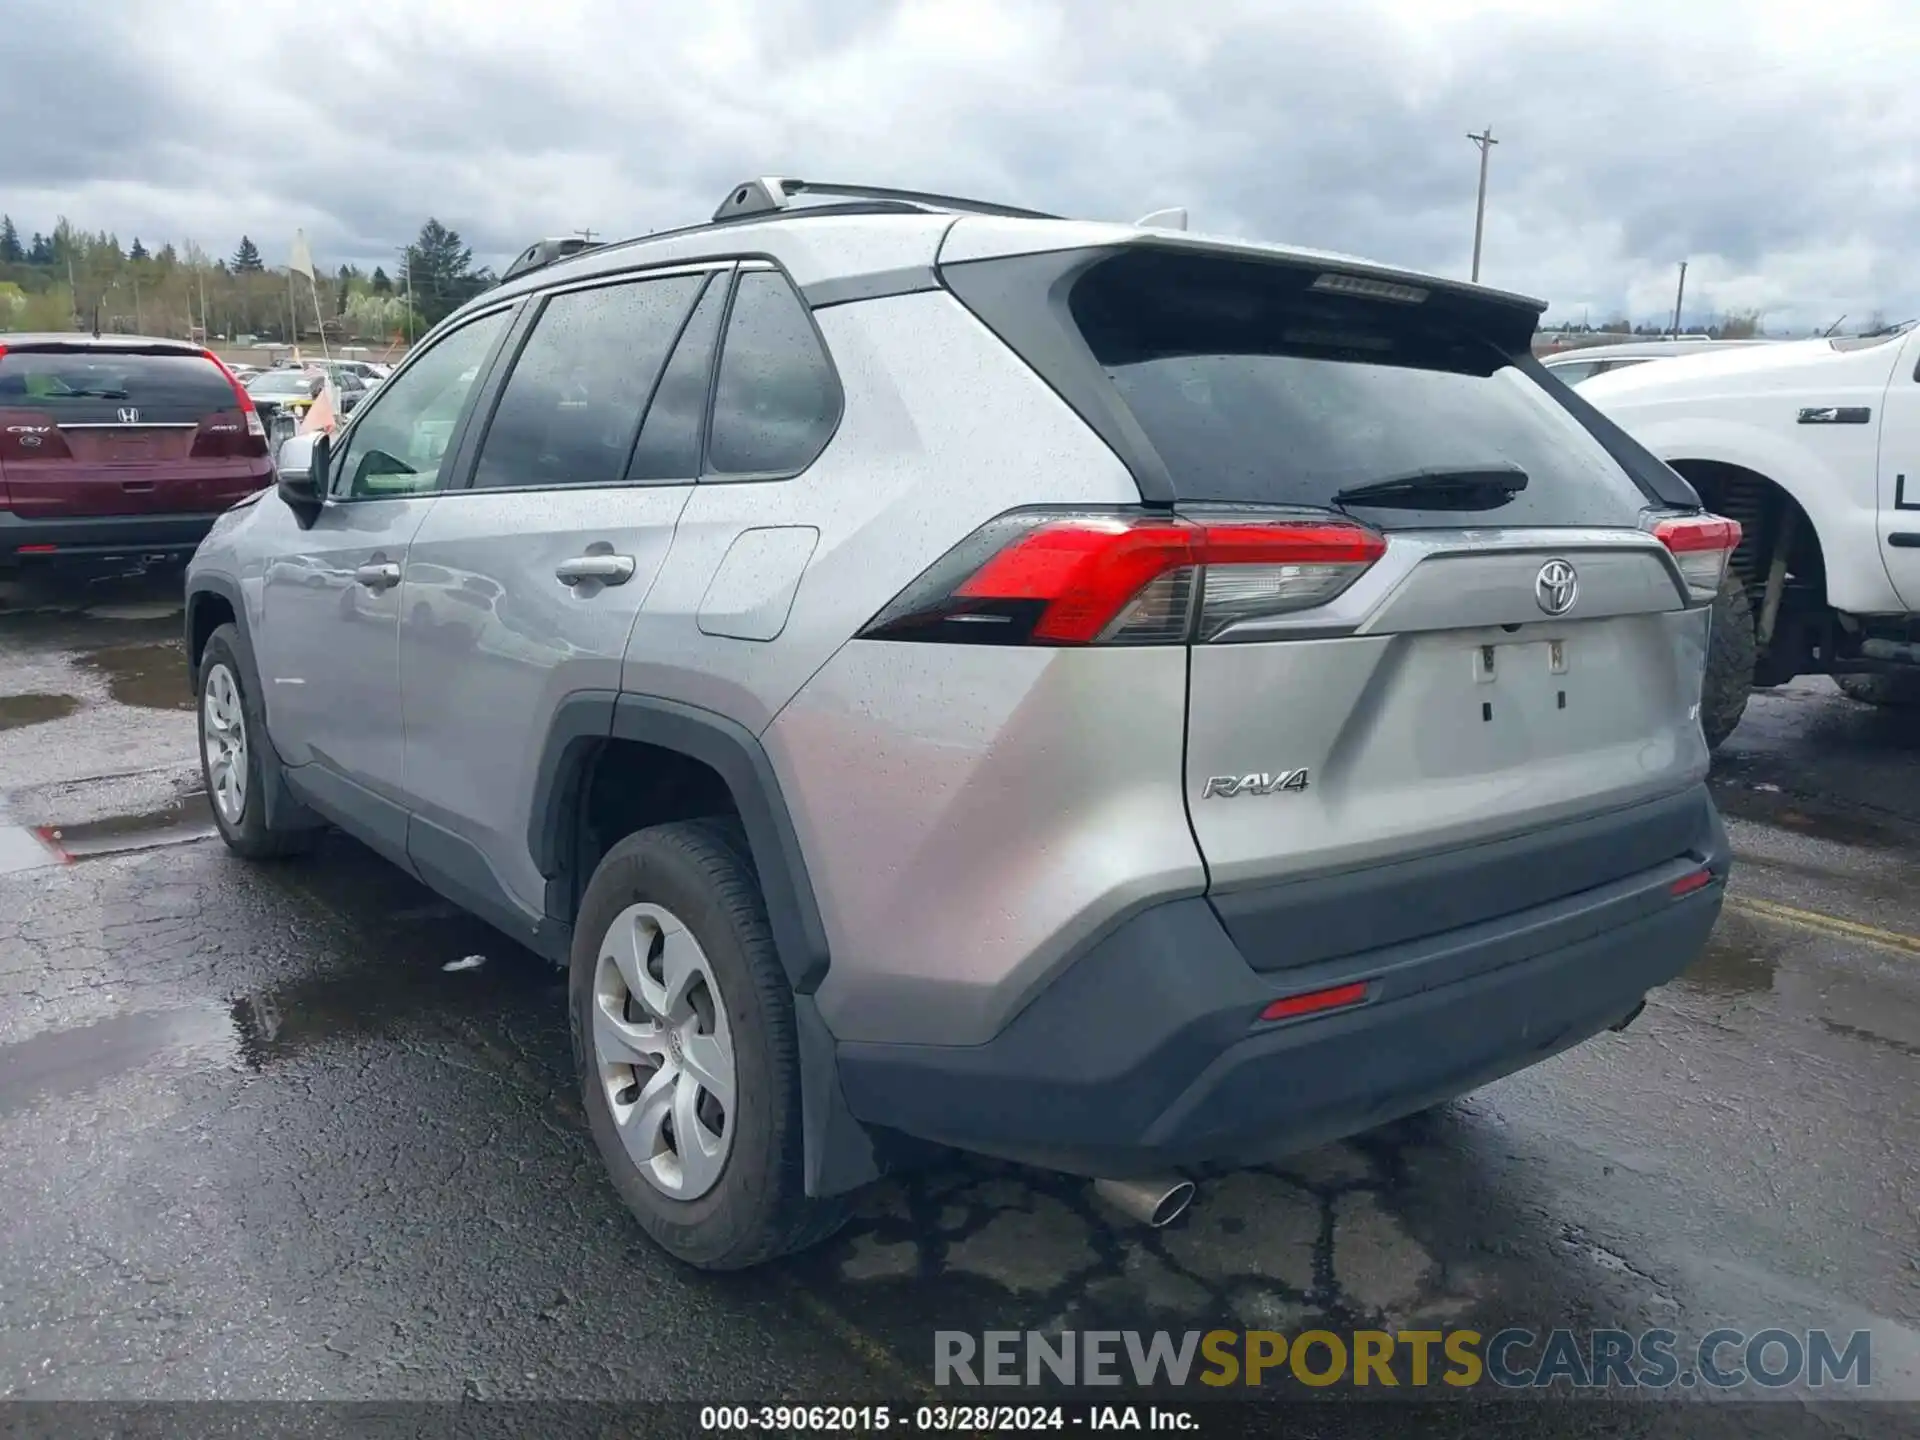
(1486, 142)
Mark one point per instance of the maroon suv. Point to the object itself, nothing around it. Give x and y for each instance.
(118, 447)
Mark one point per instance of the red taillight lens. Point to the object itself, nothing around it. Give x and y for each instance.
(255, 441)
(1338, 997)
(1126, 578)
(1702, 545)
(1687, 884)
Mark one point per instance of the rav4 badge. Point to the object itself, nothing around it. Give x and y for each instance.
(1225, 787)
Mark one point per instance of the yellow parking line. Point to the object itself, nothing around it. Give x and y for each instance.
(1826, 924)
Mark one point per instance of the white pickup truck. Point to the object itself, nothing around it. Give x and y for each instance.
(1814, 447)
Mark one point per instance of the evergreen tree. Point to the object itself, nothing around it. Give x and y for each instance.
(40, 252)
(12, 252)
(138, 252)
(247, 258)
(439, 273)
(381, 284)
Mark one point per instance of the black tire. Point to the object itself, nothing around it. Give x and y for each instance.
(1730, 661)
(758, 1209)
(251, 837)
(1897, 692)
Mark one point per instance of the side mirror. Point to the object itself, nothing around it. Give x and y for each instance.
(302, 463)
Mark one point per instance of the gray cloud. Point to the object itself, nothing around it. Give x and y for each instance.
(1773, 150)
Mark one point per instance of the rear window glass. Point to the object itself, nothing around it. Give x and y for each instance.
(96, 386)
(1255, 389)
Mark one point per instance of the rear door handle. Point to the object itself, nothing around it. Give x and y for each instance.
(378, 577)
(607, 569)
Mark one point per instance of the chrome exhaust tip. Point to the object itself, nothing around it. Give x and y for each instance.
(1155, 1201)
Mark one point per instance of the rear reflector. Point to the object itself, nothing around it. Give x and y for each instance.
(1314, 1001)
(1124, 578)
(1687, 884)
(1702, 545)
(35, 549)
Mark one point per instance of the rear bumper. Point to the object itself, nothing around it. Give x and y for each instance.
(1147, 1053)
(84, 539)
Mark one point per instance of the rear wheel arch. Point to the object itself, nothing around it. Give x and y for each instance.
(628, 761)
(646, 762)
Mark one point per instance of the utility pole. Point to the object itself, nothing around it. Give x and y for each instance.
(1486, 142)
(406, 265)
(587, 235)
(1679, 295)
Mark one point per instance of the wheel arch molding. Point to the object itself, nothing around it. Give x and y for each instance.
(586, 720)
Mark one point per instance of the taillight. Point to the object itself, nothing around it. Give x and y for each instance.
(1702, 545)
(1042, 577)
(256, 441)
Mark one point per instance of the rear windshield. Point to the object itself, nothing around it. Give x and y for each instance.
(1255, 389)
(101, 387)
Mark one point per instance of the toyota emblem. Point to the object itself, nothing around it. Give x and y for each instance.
(1556, 587)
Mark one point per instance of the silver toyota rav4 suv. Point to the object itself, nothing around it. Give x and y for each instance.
(946, 676)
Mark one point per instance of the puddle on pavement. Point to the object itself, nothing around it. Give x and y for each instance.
(1804, 816)
(186, 819)
(1739, 959)
(18, 710)
(390, 993)
(61, 1062)
(152, 676)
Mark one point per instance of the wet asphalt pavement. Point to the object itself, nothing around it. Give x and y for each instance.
(258, 1141)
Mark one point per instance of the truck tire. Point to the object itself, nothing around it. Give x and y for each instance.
(1899, 692)
(1730, 658)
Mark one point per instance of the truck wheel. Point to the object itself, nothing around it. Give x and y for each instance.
(689, 1064)
(1900, 692)
(1730, 657)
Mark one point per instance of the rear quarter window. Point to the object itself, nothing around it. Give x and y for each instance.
(1254, 389)
(776, 399)
(97, 386)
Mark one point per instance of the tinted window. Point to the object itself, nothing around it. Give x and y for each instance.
(572, 407)
(80, 387)
(1255, 389)
(669, 445)
(775, 399)
(398, 442)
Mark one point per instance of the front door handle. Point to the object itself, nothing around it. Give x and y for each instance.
(378, 577)
(607, 569)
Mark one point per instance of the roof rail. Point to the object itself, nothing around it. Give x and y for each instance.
(543, 253)
(770, 194)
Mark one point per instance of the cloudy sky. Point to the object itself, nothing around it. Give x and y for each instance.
(1771, 144)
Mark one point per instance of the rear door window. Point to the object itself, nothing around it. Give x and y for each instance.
(1254, 388)
(571, 409)
(104, 387)
(776, 399)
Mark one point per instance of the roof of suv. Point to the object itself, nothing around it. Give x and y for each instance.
(846, 251)
(81, 340)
